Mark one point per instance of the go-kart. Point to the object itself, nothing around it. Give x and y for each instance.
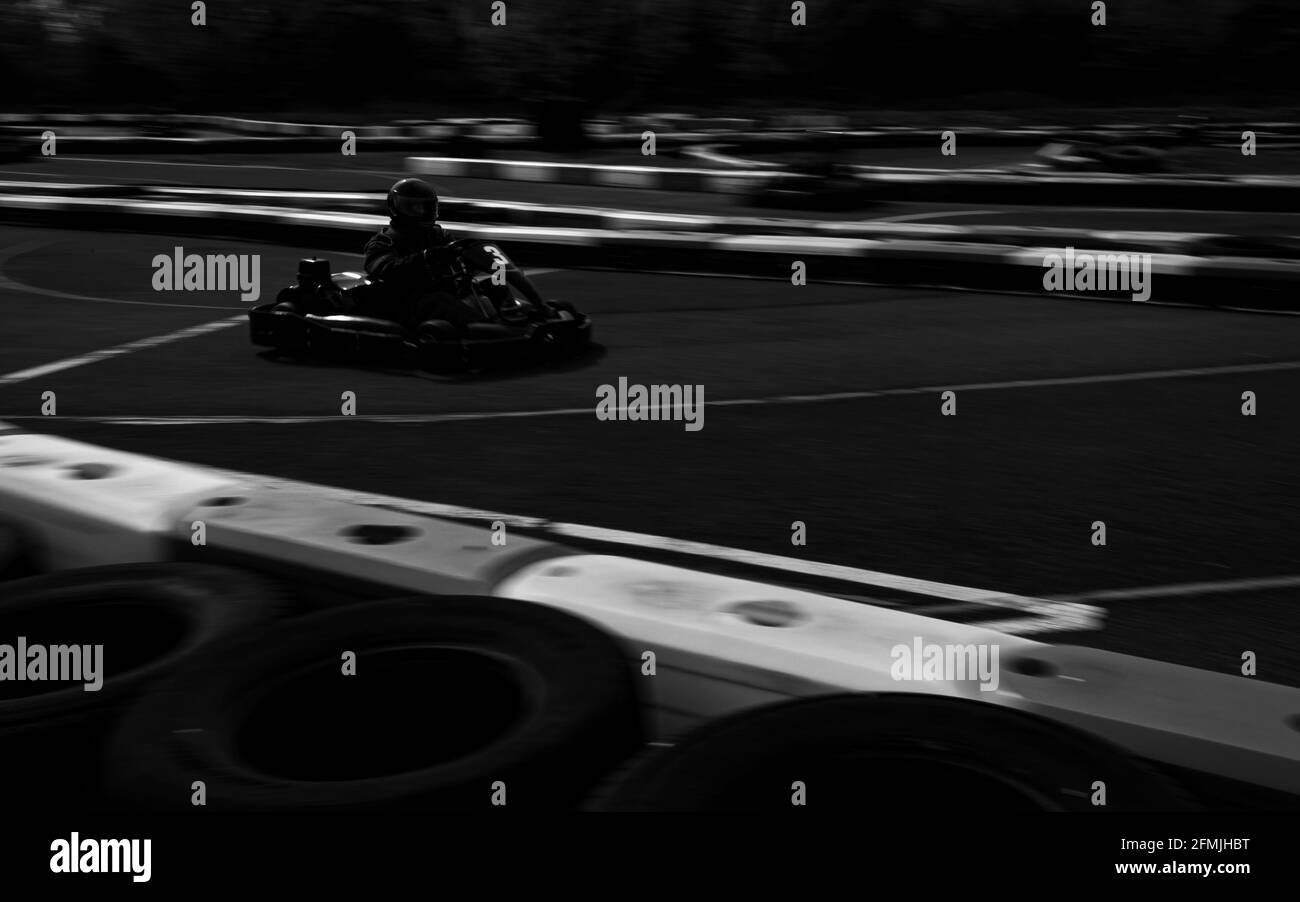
(344, 315)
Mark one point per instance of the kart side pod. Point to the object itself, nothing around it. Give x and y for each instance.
(313, 272)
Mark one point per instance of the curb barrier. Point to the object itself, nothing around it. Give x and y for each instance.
(725, 151)
(653, 178)
(888, 752)
(450, 695)
(868, 135)
(260, 525)
(1257, 193)
(1161, 136)
(438, 128)
(480, 126)
(609, 219)
(1205, 192)
(84, 505)
(425, 138)
(1159, 711)
(723, 644)
(146, 620)
(80, 505)
(1183, 279)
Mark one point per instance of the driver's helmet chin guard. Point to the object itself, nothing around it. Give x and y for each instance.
(413, 203)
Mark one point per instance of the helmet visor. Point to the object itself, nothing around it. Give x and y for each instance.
(423, 210)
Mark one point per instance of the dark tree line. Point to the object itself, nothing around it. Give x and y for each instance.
(428, 58)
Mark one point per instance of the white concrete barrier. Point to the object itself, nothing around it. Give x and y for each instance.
(723, 644)
(82, 505)
(304, 528)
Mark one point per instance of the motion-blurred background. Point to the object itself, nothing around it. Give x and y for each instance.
(720, 55)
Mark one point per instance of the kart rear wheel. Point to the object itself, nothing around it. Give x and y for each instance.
(439, 348)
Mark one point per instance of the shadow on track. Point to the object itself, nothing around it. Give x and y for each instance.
(500, 372)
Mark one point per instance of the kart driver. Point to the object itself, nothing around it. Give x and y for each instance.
(407, 253)
(412, 254)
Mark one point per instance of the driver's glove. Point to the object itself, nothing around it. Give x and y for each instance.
(438, 258)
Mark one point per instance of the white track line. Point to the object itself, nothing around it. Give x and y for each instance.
(1045, 616)
(8, 284)
(118, 350)
(127, 420)
(1174, 590)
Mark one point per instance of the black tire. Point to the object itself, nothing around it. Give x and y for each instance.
(450, 695)
(149, 618)
(437, 330)
(890, 752)
(279, 325)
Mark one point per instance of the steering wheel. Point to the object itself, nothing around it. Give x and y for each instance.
(451, 258)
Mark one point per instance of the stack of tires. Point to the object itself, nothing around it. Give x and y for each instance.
(899, 752)
(217, 693)
(209, 696)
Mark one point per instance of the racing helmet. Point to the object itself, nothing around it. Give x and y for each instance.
(413, 202)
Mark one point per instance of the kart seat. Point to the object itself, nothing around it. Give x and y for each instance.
(490, 332)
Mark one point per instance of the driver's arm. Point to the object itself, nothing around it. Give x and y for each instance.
(385, 263)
